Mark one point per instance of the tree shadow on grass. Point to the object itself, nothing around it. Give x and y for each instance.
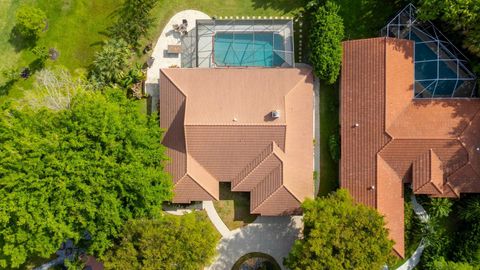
(21, 42)
(6, 87)
(285, 6)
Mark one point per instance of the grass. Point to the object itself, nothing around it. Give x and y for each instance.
(76, 29)
(234, 207)
(328, 125)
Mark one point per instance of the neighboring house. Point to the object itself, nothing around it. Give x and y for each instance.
(389, 138)
(251, 127)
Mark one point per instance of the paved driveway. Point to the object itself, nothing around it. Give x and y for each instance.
(271, 235)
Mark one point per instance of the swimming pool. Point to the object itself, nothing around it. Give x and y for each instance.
(263, 49)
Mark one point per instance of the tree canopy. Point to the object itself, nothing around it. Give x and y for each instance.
(325, 41)
(170, 242)
(73, 172)
(133, 21)
(460, 15)
(30, 21)
(110, 63)
(340, 234)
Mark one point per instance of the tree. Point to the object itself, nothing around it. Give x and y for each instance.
(460, 15)
(133, 21)
(440, 207)
(339, 234)
(109, 65)
(170, 242)
(325, 42)
(441, 264)
(79, 171)
(54, 89)
(30, 21)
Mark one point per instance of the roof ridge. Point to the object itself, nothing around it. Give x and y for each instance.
(196, 182)
(236, 124)
(469, 123)
(172, 81)
(269, 148)
(268, 197)
(304, 76)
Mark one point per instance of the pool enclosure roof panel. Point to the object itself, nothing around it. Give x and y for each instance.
(441, 69)
(245, 42)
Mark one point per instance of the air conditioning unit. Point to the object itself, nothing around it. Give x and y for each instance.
(276, 114)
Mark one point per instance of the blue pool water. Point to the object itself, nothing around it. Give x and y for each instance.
(248, 49)
(427, 71)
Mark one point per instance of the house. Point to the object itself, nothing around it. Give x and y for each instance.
(252, 127)
(389, 138)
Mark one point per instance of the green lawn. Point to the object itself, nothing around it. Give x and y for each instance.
(328, 125)
(76, 28)
(234, 207)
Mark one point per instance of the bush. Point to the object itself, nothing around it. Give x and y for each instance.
(110, 63)
(325, 42)
(334, 147)
(30, 21)
(41, 53)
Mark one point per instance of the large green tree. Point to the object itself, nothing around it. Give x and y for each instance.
(170, 242)
(82, 170)
(339, 234)
(460, 15)
(133, 21)
(325, 41)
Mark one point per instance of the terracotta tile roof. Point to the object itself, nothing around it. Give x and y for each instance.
(362, 116)
(428, 174)
(220, 129)
(390, 203)
(432, 142)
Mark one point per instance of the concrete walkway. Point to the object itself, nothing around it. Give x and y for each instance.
(162, 59)
(215, 218)
(415, 258)
(170, 37)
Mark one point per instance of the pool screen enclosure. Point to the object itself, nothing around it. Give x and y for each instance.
(441, 70)
(259, 43)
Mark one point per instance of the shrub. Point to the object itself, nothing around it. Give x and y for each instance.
(30, 21)
(41, 52)
(110, 63)
(325, 42)
(334, 147)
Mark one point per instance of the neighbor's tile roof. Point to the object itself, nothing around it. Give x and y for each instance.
(219, 128)
(398, 139)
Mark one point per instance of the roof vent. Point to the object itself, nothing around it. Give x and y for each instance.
(356, 125)
(276, 114)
